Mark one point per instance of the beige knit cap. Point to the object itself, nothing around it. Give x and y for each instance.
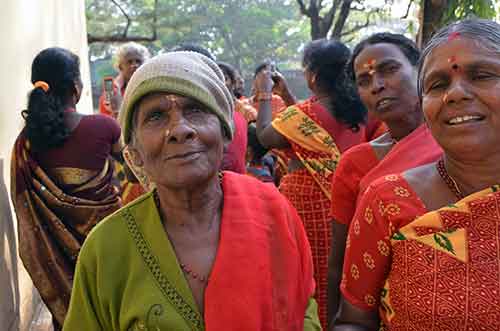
(184, 73)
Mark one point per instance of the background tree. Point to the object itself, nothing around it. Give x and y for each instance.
(330, 18)
(437, 13)
(242, 32)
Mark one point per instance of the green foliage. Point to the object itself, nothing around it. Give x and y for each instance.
(240, 32)
(460, 9)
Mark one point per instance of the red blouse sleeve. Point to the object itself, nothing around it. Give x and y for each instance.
(353, 166)
(386, 205)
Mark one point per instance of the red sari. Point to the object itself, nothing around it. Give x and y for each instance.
(316, 139)
(263, 250)
(353, 166)
(425, 270)
(359, 167)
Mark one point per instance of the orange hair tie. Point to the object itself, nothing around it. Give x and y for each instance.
(42, 84)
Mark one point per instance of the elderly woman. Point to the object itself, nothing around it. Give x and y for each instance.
(423, 254)
(128, 58)
(205, 249)
(384, 67)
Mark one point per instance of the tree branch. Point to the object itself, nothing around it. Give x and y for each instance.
(358, 27)
(124, 37)
(330, 15)
(342, 17)
(405, 16)
(118, 38)
(129, 21)
(303, 8)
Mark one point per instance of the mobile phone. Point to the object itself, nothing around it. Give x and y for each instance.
(109, 89)
(273, 69)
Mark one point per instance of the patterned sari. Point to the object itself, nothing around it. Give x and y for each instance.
(437, 270)
(308, 189)
(54, 219)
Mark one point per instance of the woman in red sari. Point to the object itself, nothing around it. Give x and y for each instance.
(314, 133)
(422, 251)
(384, 67)
(61, 176)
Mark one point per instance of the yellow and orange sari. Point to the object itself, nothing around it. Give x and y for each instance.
(53, 223)
(308, 189)
(425, 270)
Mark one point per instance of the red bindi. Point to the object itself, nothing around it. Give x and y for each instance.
(369, 65)
(453, 35)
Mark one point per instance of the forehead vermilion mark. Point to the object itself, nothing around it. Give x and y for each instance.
(171, 101)
(370, 65)
(453, 35)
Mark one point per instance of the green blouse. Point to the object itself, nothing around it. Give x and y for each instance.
(121, 285)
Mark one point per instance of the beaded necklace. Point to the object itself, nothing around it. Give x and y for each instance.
(184, 267)
(449, 181)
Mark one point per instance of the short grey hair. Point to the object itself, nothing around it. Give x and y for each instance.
(129, 48)
(485, 32)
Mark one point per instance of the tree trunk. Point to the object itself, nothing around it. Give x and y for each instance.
(430, 19)
(317, 26)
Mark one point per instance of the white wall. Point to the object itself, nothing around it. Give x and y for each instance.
(27, 27)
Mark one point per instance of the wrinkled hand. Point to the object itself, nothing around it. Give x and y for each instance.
(263, 82)
(280, 86)
(116, 103)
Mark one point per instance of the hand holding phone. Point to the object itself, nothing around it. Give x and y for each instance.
(109, 89)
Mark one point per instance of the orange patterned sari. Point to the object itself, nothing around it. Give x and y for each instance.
(429, 271)
(53, 223)
(308, 189)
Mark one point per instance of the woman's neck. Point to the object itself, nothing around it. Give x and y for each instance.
(474, 175)
(324, 99)
(70, 105)
(400, 128)
(192, 208)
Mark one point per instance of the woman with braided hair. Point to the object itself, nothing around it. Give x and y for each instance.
(61, 176)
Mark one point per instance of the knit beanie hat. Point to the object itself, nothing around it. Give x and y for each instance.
(189, 74)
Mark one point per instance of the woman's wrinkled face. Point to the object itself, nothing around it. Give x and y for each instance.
(129, 64)
(461, 97)
(177, 141)
(386, 81)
